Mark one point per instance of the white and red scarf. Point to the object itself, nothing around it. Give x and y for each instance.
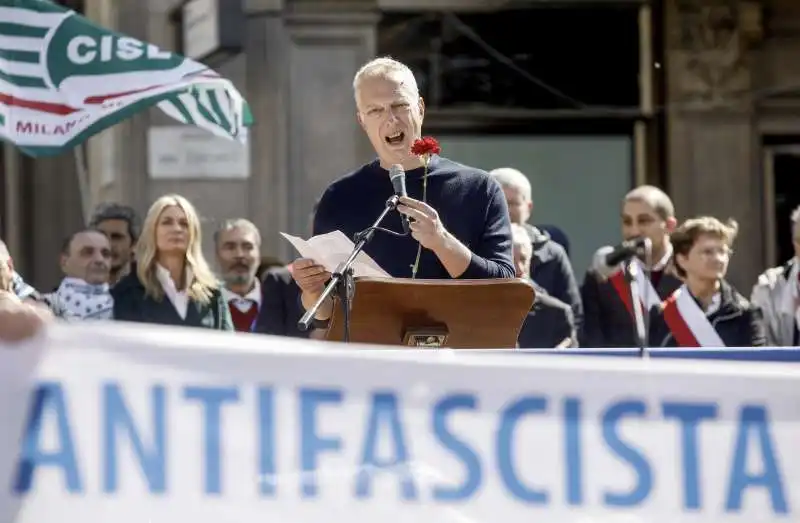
(647, 293)
(688, 323)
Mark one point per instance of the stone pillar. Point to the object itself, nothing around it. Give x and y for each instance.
(129, 185)
(302, 55)
(712, 149)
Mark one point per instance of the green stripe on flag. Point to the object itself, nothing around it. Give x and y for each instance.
(205, 113)
(23, 81)
(28, 57)
(177, 104)
(19, 30)
(222, 117)
(247, 117)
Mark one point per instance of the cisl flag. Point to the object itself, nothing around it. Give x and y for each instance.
(64, 79)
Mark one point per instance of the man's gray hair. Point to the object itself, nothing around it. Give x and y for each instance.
(117, 211)
(795, 220)
(796, 216)
(237, 223)
(385, 68)
(511, 178)
(4, 253)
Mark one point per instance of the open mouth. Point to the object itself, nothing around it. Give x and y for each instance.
(396, 138)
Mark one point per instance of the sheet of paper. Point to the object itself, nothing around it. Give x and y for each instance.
(333, 248)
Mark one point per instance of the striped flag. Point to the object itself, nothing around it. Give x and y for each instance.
(64, 79)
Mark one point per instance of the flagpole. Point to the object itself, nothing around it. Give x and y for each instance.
(12, 221)
(83, 182)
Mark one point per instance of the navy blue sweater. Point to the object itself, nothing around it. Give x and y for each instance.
(470, 204)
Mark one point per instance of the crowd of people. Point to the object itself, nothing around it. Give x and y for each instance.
(462, 223)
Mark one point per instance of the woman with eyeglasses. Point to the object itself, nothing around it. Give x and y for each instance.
(705, 311)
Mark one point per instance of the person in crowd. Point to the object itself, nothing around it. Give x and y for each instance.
(777, 293)
(172, 284)
(705, 311)
(282, 308)
(266, 305)
(550, 267)
(549, 324)
(237, 243)
(457, 214)
(84, 292)
(19, 319)
(22, 290)
(608, 315)
(122, 225)
(267, 263)
(557, 235)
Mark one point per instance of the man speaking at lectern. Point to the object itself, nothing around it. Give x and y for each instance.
(458, 216)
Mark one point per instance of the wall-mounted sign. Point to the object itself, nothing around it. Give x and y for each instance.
(211, 29)
(184, 152)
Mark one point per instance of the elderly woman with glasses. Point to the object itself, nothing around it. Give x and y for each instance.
(705, 311)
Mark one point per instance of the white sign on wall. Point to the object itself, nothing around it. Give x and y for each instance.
(189, 153)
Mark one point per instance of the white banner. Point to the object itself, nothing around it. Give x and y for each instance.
(124, 424)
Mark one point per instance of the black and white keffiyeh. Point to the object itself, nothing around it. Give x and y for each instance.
(77, 300)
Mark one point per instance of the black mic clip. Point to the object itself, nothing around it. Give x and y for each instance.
(626, 251)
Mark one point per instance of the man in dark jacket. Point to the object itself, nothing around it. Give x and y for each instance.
(608, 320)
(550, 266)
(265, 305)
(549, 323)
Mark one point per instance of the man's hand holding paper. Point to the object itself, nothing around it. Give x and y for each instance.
(309, 275)
(321, 256)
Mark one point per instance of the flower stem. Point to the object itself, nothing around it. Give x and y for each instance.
(415, 267)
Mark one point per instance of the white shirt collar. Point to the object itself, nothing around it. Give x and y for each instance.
(165, 278)
(664, 259)
(254, 295)
(179, 299)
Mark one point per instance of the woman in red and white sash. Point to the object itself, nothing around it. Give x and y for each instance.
(705, 311)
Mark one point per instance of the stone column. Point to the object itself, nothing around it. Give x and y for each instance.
(301, 58)
(712, 149)
(130, 179)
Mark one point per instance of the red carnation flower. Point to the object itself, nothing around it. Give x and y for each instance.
(426, 145)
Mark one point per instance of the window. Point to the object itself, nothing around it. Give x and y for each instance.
(544, 58)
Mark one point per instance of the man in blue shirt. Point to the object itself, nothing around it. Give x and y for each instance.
(458, 213)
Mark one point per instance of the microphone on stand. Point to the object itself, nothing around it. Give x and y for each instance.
(606, 262)
(625, 251)
(398, 177)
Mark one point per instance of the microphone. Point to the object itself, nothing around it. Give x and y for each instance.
(606, 259)
(398, 177)
(626, 250)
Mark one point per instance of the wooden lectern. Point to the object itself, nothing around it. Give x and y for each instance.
(458, 314)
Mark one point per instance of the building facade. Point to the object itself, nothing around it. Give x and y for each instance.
(716, 120)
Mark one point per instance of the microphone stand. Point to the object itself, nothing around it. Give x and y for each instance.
(639, 329)
(341, 283)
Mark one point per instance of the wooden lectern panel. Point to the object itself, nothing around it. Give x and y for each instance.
(474, 314)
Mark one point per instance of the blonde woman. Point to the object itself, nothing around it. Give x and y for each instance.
(171, 283)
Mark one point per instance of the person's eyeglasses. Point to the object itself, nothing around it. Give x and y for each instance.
(712, 252)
